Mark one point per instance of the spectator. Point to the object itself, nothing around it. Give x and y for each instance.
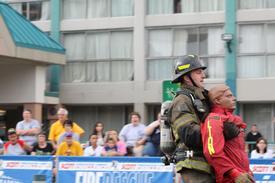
(133, 135)
(69, 147)
(15, 146)
(152, 132)
(93, 149)
(68, 127)
(121, 146)
(98, 130)
(261, 151)
(252, 137)
(42, 147)
(110, 148)
(28, 128)
(1, 147)
(57, 128)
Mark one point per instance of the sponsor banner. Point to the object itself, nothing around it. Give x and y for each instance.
(263, 169)
(113, 170)
(26, 169)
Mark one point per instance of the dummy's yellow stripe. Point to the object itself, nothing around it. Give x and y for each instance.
(210, 139)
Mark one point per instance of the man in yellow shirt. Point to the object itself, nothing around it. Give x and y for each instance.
(57, 127)
(69, 147)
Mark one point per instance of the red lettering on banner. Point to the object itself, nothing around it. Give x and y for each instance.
(256, 169)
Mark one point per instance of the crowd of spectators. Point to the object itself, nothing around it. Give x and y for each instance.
(64, 138)
(134, 139)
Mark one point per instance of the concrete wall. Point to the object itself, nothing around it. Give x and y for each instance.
(22, 83)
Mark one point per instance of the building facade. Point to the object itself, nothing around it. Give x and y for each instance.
(118, 53)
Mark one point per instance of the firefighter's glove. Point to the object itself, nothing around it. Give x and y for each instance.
(230, 130)
(244, 178)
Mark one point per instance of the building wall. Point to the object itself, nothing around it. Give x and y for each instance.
(22, 83)
(254, 87)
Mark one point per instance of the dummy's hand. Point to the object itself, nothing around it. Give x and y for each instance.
(244, 178)
(230, 130)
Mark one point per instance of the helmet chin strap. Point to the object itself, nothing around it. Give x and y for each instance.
(191, 79)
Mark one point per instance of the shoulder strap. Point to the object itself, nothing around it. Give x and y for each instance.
(197, 103)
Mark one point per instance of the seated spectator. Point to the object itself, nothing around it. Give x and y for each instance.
(121, 146)
(69, 147)
(57, 128)
(252, 137)
(98, 130)
(93, 149)
(110, 148)
(152, 131)
(42, 147)
(133, 135)
(68, 127)
(261, 151)
(15, 146)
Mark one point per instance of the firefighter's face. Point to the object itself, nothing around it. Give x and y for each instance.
(227, 100)
(198, 77)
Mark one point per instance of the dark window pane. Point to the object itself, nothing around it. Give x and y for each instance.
(24, 9)
(35, 10)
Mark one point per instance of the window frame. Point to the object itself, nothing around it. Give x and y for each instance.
(109, 13)
(28, 7)
(110, 60)
(149, 58)
(264, 53)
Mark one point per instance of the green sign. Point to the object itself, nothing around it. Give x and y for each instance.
(169, 90)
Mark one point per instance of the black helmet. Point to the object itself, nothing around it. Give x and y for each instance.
(186, 64)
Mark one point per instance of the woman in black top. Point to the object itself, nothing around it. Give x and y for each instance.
(42, 147)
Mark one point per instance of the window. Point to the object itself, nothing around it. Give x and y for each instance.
(165, 45)
(256, 51)
(82, 9)
(99, 56)
(155, 7)
(33, 10)
(256, 4)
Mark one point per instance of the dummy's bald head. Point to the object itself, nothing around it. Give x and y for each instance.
(217, 91)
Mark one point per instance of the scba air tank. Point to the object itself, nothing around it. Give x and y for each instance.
(167, 144)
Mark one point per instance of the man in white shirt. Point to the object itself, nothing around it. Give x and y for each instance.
(28, 128)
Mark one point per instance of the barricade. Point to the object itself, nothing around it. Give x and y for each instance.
(26, 169)
(113, 170)
(264, 170)
(38, 169)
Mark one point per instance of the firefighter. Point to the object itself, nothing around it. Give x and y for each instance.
(188, 109)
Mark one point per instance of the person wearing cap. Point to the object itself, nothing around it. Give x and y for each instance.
(57, 127)
(15, 146)
(225, 152)
(186, 118)
(69, 147)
